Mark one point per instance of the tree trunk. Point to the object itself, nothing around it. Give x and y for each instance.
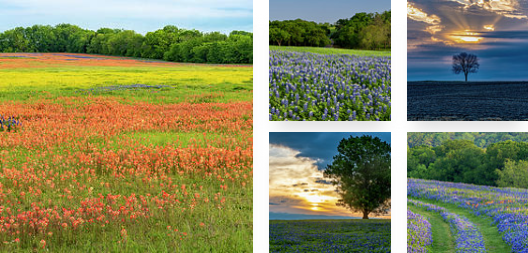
(365, 215)
(465, 74)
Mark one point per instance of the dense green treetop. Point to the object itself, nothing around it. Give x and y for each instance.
(480, 139)
(361, 172)
(362, 31)
(170, 43)
(460, 160)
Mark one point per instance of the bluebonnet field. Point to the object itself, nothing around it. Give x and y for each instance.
(467, 236)
(317, 87)
(330, 236)
(418, 233)
(8, 123)
(508, 207)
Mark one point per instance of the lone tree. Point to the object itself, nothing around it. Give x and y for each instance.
(361, 172)
(465, 63)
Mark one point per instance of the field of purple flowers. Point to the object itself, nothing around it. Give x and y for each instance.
(352, 235)
(317, 87)
(506, 208)
(418, 233)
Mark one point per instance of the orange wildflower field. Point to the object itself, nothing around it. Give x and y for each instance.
(147, 160)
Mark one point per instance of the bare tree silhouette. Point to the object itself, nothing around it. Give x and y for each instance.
(465, 63)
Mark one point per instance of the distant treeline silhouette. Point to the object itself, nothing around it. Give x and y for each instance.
(170, 43)
(362, 31)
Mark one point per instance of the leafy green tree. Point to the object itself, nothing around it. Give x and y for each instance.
(16, 40)
(418, 161)
(364, 31)
(298, 33)
(459, 165)
(169, 43)
(460, 160)
(277, 36)
(514, 174)
(498, 153)
(362, 176)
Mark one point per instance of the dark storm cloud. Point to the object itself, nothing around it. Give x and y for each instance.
(301, 184)
(322, 181)
(317, 146)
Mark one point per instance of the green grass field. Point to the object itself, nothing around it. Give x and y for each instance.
(325, 50)
(98, 169)
(444, 240)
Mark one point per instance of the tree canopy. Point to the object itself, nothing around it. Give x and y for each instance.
(299, 33)
(479, 139)
(361, 172)
(500, 164)
(362, 31)
(170, 43)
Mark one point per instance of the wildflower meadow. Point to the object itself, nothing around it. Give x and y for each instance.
(480, 218)
(348, 235)
(305, 86)
(113, 154)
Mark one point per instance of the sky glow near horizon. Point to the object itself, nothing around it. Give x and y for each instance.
(494, 30)
(294, 187)
(140, 16)
(296, 182)
(313, 10)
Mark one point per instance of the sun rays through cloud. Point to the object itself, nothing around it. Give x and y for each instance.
(297, 186)
(494, 30)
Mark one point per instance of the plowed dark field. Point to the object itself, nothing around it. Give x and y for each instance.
(472, 101)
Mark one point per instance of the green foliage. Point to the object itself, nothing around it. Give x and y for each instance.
(463, 161)
(361, 172)
(370, 31)
(298, 33)
(364, 30)
(514, 174)
(480, 139)
(169, 43)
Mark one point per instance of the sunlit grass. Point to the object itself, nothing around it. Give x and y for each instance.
(232, 83)
(325, 50)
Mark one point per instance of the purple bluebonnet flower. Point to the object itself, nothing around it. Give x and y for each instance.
(330, 81)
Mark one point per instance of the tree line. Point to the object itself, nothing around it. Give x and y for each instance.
(480, 139)
(170, 43)
(503, 164)
(370, 31)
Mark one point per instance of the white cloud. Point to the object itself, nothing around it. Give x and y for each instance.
(199, 14)
(133, 9)
(293, 185)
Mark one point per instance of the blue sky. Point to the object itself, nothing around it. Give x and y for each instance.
(323, 11)
(296, 182)
(320, 147)
(141, 16)
(495, 31)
